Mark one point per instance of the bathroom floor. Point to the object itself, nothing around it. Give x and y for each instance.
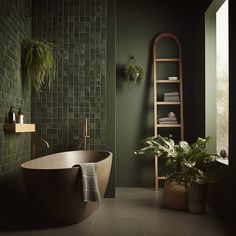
(136, 212)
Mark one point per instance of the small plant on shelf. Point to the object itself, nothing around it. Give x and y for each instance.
(38, 63)
(133, 72)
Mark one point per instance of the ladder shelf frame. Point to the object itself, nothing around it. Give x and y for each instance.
(157, 82)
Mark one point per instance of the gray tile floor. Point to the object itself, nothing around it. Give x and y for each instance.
(136, 212)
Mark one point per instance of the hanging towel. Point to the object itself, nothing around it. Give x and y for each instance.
(90, 191)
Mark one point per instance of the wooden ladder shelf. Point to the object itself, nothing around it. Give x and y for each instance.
(159, 83)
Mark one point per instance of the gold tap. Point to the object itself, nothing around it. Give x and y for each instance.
(85, 134)
(34, 146)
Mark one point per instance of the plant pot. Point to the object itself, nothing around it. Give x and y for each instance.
(196, 199)
(175, 196)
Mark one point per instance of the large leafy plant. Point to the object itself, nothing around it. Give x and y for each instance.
(200, 167)
(38, 63)
(173, 154)
(183, 162)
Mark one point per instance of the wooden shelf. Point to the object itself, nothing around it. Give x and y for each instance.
(19, 128)
(166, 59)
(162, 177)
(160, 81)
(168, 125)
(163, 81)
(168, 103)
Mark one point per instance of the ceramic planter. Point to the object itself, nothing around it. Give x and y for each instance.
(196, 199)
(175, 196)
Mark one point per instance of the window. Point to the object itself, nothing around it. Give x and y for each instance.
(222, 78)
(217, 85)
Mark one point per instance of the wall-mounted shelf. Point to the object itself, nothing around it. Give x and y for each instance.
(18, 128)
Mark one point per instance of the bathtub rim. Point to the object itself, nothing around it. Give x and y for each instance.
(110, 155)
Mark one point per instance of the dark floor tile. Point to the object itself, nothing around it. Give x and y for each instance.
(81, 229)
(137, 212)
(159, 220)
(36, 232)
(110, 226)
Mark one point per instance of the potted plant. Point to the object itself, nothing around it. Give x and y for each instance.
(173, 154)
(188, 165)
(200, 169)
(38, 63)
(133, 72)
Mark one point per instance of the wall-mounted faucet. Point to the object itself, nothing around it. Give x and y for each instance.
(34, 146)
(85, 134)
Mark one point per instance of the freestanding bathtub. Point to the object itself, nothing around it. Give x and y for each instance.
(54, 186)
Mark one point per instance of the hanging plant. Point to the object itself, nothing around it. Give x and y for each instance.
(133, 72)
(38, 63)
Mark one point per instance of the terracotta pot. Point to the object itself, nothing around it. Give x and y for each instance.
(196, 199)
(175, 196)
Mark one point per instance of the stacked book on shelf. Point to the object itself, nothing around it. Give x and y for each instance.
(171, 97)
(170, 119)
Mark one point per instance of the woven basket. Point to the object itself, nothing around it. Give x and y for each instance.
(175, 196)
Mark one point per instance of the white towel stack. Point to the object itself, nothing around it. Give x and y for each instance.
(172, 78)
(171, 97)
(170, 119)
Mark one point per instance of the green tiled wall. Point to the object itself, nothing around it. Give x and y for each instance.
(15, 25)
(78, 30)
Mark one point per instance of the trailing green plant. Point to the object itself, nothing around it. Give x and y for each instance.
(133, 72)
(186, 163)
(38, 63)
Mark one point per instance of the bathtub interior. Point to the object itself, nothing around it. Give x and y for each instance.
(65, 160)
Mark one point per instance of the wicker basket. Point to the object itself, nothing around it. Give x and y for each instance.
(175, 196)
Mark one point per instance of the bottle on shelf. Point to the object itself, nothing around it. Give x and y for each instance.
(20, 117)
(11, 115)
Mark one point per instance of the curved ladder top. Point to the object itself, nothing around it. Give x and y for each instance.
(166, 35)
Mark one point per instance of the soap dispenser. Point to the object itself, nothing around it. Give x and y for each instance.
(11, 116)
(20, 117)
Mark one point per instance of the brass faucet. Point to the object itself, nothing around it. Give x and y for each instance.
(85, 134)
(34, 146)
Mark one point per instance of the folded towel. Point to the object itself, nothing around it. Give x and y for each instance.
(168, 119)
(90, 191)
(172, 78)
(175, 93)
(168, 122)
(171, 99)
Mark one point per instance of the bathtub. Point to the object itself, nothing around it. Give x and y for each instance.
(53, 185)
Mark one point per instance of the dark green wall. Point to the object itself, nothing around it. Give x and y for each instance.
(78, 31)
(15, 26)
(111, 92)
(84, 71)
(138, 23)
(231, 180)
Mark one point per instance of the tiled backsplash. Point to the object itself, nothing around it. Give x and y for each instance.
(78, 30)
(15, 25)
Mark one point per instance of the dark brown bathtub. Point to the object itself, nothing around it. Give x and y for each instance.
(54, 185)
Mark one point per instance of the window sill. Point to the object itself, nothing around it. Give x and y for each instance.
(224, 161)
